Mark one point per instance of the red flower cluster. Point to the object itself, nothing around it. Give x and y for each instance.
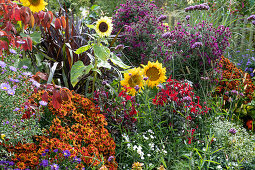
(181, 100)
(182, 96)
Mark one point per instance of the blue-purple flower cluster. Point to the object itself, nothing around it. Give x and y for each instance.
(245, 61)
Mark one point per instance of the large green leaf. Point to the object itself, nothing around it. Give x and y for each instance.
(78, 70)
(82, 49)
(103, 63)
(117, 61)
(101, 52)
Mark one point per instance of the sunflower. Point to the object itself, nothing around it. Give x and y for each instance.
(34, 5)
(132, 80)
(155, 73)
(104, 27)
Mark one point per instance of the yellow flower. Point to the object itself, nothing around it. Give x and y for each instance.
(3, 136)
(161, 168)
(137, 166)
(155, 73)
(104, 27)
(34, 5)
(132, 80)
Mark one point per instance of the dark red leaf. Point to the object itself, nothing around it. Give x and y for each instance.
(57, 23)
(56, 99)
(45, 96)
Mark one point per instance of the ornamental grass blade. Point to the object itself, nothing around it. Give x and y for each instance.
(52, 71)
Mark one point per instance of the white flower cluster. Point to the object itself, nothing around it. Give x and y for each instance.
(145, 145)
(238, 144)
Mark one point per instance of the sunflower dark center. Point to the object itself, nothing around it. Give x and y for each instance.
(153, 74)
(34, 2)
(134, 80)
(103, 27)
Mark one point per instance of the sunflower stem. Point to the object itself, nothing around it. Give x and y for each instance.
(95, 68)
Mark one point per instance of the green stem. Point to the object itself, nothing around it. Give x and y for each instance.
(95, 76)
(95, 67)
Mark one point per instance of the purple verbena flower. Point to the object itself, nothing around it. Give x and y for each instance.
(232, 130)
(187, 17)
(197, 45)
(136, 88)
(110, 158)
(119, 47)
(234, 92)
(161, 18)
(166, 35)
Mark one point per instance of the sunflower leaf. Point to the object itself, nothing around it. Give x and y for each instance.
(101, 52)
(117, 61)
(82, 49)
(78, 70)
(90, 26)
(103, 63)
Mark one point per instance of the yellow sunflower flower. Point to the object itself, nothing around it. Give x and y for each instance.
(133, 80)
(104, 27)
(34, 5)
(155, 73)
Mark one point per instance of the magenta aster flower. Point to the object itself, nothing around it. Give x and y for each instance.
(5, 86)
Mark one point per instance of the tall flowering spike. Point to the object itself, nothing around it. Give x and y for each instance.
(104, 27)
